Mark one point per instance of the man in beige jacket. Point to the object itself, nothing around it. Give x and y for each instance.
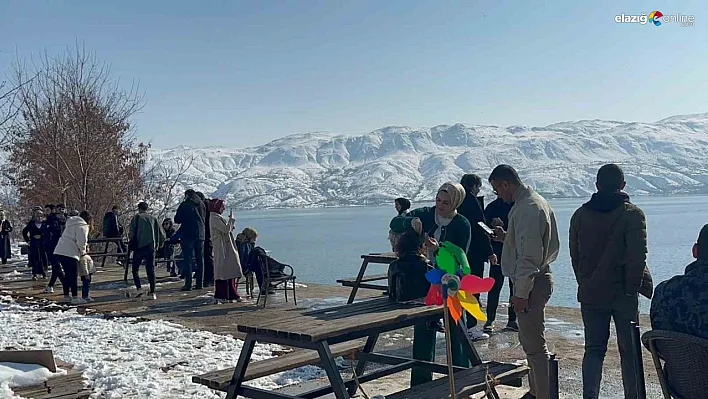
(530, 245)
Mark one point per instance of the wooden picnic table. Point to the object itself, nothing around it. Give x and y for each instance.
(364, 281)
(325, 330)
(105, 254)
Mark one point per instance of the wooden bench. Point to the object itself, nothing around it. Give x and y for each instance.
(68, 386)
(351, 281)
(467, 382)
(356, 282)
(220, 379)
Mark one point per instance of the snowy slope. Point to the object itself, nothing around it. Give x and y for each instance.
(666, 157)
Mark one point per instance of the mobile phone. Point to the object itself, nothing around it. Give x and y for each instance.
(486, 228)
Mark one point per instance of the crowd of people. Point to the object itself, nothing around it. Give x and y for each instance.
(211, 256)
(608, 250)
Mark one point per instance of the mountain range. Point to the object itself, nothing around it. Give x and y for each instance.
(666, 157)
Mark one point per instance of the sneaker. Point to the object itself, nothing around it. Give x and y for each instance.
(67, 299)
(185, 288)
(198, 287)
(173, 274)
(476, 335)
(139, 292)
(34, 278)
(151, 296)
(77, 301)
(88, 299)
(512, 326)
(237, 299)
(488, 327)
(48, 290)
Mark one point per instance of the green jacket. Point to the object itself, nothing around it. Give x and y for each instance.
(149, 231)
(457, 232)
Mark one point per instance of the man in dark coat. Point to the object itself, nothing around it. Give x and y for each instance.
(52, 229)
(680, 304)
(208, 247)
(497, 214)
(5, 230)
(480, 249)
(113, 229)
(190, 215)
(608, 251)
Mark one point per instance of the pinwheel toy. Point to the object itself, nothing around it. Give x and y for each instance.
(452, 286)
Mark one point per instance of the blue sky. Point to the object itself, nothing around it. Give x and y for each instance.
(241, 73)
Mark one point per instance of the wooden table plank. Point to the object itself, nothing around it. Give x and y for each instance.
(325, 323)
(220, 379)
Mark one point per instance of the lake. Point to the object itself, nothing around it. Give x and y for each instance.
(325, 244)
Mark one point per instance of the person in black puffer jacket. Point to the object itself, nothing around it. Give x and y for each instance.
(406, 275)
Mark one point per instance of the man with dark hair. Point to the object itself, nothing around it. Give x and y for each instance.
(608, 247)
(530, 245)
(52, 228)
(113, 229)
(191, 215)
(497, 214)
(147, 236)
(680, 304)
(480, 249)
(208, 247)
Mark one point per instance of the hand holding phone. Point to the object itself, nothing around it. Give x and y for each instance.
(486, 228)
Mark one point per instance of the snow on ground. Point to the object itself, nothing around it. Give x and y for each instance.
(13, 275)
(123, 357)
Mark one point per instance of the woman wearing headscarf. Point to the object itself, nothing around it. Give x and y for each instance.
(227, 267)
(440, 223)
(402, 206)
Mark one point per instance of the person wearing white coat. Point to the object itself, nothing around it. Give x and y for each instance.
(227, 266)
(70, 250)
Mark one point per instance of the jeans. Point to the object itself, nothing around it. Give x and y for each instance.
(532, 335)
(57, 273)
(85, 286)
(71, 271)
(148, 254)
(623, 310)
(495, 272)
(193, 255)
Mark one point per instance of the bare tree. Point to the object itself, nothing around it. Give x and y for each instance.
(163, 183)
(74, 142)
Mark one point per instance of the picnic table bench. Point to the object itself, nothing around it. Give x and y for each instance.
(330, 332)
(364, 281)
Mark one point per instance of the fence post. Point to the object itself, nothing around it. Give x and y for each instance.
(638, 361)
(553, 388)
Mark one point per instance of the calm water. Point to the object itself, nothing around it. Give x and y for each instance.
(325, 244)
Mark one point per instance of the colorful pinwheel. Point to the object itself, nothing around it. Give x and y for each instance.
(452, 273)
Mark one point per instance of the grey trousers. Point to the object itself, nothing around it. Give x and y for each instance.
(532, 337)
(596, 319)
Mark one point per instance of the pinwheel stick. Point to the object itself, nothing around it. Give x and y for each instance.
(448, 344)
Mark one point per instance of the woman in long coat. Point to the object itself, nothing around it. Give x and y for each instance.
(227, 266)
(33, 233)
(5, 230)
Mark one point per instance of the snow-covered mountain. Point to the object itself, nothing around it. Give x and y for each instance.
(317, 169)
